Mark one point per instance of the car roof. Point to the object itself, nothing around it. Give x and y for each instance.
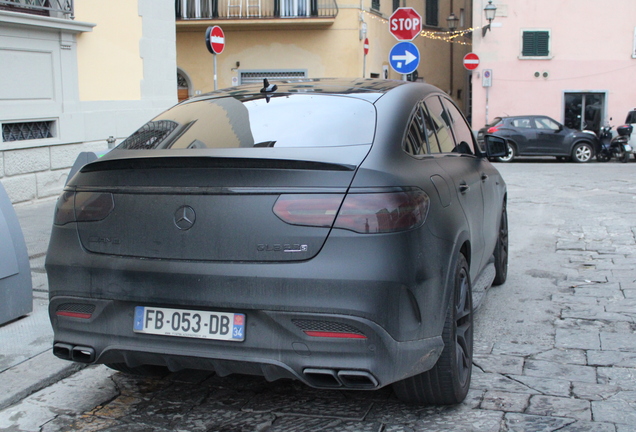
(364, 88)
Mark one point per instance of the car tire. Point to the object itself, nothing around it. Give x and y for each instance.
(509, 156)
(501, 250)
(143, 370)
(582, 153)
(447, 383)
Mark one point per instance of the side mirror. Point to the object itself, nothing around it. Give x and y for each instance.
(495, 146)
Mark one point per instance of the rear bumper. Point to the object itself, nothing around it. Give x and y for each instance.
(275, 346)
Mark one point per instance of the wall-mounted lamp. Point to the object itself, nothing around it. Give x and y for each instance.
(452, 21)
(490, 10)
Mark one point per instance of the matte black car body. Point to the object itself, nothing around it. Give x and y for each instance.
(535, 135)
(167, 220)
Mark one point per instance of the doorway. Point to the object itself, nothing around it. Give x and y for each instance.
(584, 111)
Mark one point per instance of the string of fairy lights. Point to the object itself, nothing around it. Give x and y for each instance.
(445, 36)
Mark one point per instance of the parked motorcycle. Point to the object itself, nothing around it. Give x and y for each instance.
(617, 147)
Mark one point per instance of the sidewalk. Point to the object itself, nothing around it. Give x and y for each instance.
(27, 363)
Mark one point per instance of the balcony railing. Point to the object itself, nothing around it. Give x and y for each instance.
(254, 9)
(54, 8)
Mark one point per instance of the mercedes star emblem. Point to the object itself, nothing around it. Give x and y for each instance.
(184, 218)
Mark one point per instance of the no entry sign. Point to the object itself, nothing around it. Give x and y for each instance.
(471, 61)
(366, 46)
(405, 24)
(215, 39)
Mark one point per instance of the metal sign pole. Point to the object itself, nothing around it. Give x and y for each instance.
(487, 91)
(364, 67)
(214, 71)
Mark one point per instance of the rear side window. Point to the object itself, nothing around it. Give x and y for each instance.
(415, 141)
(463, 135)
(441, 123)
(260, 121)
(523, 123)
(631, 117)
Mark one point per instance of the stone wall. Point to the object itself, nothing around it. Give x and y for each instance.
(41, 172)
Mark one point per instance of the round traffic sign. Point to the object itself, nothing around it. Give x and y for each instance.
(405, 24)
(366, 46)
(215, 39)
(471, 61)
(404, 57)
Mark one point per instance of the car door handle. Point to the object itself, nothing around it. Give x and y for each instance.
(463, 187)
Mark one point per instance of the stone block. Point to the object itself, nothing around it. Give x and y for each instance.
(577, 339)
(611, 358)
(507, 402)
(499, 363)
(65, 156)
(560, 407)
(617, 409)
(26, 161)
(51, 183)
(545, 369)
(625, 378)
(618, 342)
(20, 188)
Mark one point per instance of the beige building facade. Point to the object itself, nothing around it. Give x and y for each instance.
(284, 39)
(78, 76)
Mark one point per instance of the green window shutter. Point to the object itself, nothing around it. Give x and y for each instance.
(536, 44)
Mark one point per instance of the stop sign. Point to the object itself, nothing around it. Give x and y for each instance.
(215, 39)
(471, 61)
(405, 24)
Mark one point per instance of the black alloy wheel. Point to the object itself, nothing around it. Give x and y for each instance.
(447, 383)
(501, 249)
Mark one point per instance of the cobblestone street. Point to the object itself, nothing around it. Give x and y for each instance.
(555, 345)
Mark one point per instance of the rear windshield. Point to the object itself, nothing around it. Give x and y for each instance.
(259, 121)
(631, 117)
(494, 122)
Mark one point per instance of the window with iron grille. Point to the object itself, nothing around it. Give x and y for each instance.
(432, 13)
(375, 5)
(396, 4)
(27, 131)
(536, 44)
(258, 76)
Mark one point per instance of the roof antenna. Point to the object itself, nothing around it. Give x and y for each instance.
(268, 89)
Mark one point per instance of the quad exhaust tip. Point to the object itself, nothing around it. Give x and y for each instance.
(76, 353)
(353, 379)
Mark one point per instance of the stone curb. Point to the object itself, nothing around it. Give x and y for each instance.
(32, 375)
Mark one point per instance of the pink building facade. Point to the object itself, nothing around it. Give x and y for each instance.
(573, 60)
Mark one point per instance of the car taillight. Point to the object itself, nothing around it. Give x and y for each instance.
(492, 129)
(365, 213)
(83, 207)
(309, 210)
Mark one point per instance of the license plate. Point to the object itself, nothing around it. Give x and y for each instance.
(628, 147)
(190, 323)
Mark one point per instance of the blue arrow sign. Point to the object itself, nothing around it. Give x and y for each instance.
(404, 57)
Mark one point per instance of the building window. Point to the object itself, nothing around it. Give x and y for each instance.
(249, 77)
(27, 131)
(432, 13)
(536, 44)
(375, 5)
(396, 4)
